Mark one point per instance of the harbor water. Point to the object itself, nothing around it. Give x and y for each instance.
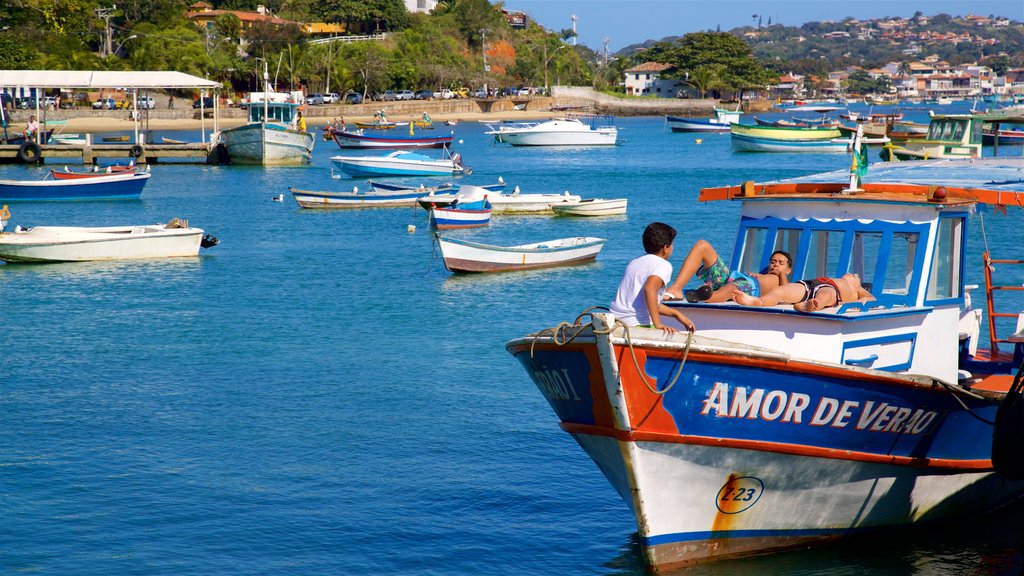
(318, 395)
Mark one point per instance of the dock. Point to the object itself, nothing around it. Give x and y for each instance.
(193, 152)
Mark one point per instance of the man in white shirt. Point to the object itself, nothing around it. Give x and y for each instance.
(644, 281)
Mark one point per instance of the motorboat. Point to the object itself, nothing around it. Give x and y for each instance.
(399, 163)
(569, 131)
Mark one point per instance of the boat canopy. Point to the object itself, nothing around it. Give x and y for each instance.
(95, 79)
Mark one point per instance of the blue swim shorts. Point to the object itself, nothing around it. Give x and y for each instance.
(719, 275)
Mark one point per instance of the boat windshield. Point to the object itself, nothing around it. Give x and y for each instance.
(277, 112)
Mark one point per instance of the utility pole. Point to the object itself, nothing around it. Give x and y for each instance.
(483, 47)
(573, 29)
(606, 39)
(105, 14)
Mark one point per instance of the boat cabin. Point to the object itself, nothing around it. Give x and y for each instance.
(961, 129)
(908, 245)
(283, 112)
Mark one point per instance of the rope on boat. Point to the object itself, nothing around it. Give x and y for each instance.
(955, 390)
(558, 337)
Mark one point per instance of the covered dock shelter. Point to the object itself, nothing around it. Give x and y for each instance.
(101, 79)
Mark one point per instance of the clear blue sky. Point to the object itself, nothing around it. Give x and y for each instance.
(626, 22)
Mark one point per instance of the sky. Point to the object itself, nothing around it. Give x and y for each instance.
(626, 22)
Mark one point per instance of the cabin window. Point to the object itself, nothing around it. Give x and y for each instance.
(946, 272)
(976, 132)
(753, 248)
(822, 254)
(864, 257)
(958, 131)
(899, 266)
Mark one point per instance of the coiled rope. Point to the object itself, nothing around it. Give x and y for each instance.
(560, 337)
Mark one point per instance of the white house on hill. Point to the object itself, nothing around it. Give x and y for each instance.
(646, 79)
(424, 6)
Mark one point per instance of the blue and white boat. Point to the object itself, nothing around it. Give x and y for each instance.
(355, 198)
(399, 163)
(721, 122)
(770, 428)
(744, 143)
(104, 187)
(461, 215)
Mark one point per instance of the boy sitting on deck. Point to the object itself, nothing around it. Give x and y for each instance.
(638, 299)
(719, 281)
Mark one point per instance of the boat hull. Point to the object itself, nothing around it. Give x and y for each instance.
(267, 145)
(677, 124)
(368, 167)
(592, 207)
(454, 218)
(743, 143)
(464, 256)
(737, 450)
(355, 200)
(353, 140)
(72, 244)
(599, 137)
(785, 132)
(103, 187)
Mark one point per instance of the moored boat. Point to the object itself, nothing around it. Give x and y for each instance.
(360, 139)
(743, 143)
(355, 198)
(949, 136)
(81, 244)
(569, 131)
(720, 122)
(592, 207)
(785, 132)
(466, 256)
(772, 428)
(461, 215)
(399, 163)
(102, 187)
(512, 203)
(69, 174)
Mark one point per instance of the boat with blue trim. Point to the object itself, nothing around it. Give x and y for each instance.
(770, 428)
(720, 122)
(114, 186)
(399, 163)
(361, 139)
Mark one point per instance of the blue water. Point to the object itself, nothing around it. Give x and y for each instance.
(317, 395)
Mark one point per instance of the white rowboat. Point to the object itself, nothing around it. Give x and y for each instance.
(80, 244)
(465, 256)
(592, 207)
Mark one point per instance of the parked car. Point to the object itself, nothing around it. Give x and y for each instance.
(207, 102)
(105, 104)
(461, 92)
(354, 98)
(315, 99)
(388, 96)
(405, 95)
(480, 93)
(424, 95)
(147, 103)
(525, 91)
(331, 98)
(444, 94)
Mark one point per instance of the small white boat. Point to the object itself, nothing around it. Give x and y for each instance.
(466, 256)
(592, 207)
(356, 198)
(461, 215)
(513, 203)
(569, 131)
(80, 244)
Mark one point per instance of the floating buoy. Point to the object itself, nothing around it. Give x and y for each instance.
(410, 228)
(278, 198)
(698, 141)
(460, 140)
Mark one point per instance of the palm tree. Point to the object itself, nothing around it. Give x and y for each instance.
(705, 78)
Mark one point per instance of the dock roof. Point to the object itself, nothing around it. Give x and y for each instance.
(93, 79)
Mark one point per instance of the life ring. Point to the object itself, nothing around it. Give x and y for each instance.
(29, 153)
(136, 151)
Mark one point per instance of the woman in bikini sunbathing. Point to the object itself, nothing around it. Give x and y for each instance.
(720, 282)
(811, 295)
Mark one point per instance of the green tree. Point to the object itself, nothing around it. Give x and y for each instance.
(738, 69)
(16, 55)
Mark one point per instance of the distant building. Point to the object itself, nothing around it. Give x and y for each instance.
(646, 79)
(204, 16)
(422, 6)
(517, 20)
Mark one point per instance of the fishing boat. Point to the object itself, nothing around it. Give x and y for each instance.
(466, 256)
(568, 131)
(770, 428)
(785, 132)
(267, 138)
(399, 163)
(949, 136)
(1007, 137)
(360, 139)
(592, 207)
(103, 187)
(69, 174)
(512, 203)
(461, 215)
(356, 198)
(742, 143)
(383, 125)
(81, 244)
(443, 188)
(720, 122)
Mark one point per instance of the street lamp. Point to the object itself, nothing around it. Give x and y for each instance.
(118, 49)
(547, 59)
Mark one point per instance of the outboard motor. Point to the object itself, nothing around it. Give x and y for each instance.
(209, 241)
(1008, 433)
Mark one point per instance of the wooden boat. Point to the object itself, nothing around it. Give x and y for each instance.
(443, 188)
(466, 256)
(69, 174)
(356, 198)
(785, 132)
(166, 140)
(1007, 137)
(400, 163)
(569, 131)
(949, 136)
(720, 122)
(742, 143)
(592, 207)
(771, 428)
(513, 203)
(360, 139)
(104, 187)
(461, 215)
(80, 244)
(267, 139)
(380, 125)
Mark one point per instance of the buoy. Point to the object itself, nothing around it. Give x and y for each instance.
(699, 141)
(460, 140)
(410, 228)
(278, 198)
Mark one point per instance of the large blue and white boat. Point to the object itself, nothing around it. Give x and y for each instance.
(399, 163)
(115, 186)
(771, 428)
(268, 138)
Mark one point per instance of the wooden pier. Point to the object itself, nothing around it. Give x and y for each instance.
(196, 152)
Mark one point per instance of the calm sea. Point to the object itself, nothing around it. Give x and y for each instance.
(317, 395)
